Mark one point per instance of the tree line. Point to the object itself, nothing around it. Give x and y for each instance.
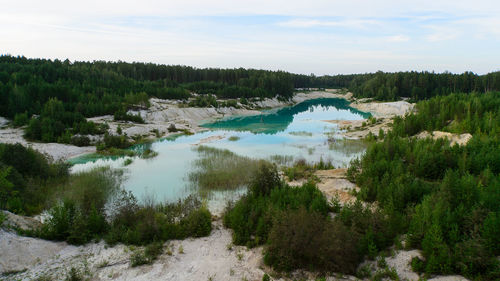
(77, 90)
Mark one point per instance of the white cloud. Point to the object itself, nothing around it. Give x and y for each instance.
(398, 38)
(349, 23)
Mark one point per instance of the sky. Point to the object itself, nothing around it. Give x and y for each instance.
(313, 36)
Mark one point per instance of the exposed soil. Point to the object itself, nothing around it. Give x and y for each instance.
(461, 139)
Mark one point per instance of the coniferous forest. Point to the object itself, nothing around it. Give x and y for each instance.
(54, 97)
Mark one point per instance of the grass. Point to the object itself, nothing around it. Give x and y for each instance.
(148, 154)
(220, 169)
(91, 188)
(113, 151)
(300, 170)
(128, 161)
(301, 133)
(281, 159)
(303, 170)
(234, 138)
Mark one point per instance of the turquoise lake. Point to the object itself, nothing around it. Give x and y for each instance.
(296, 132)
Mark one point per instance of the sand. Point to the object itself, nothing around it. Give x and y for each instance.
(55, 151)
(384, 109)
(461, 139)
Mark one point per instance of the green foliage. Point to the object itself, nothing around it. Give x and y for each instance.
(3, 217)
(300, 169)
(266, 178)
(442, 196)
(148, 154)
(251, 218)
(229, 103)
(56, 124)
(122, 115)
(302, 239)
(419, 85)
(74, 274)
(266, 277)
(113, 141)
(20, 119)
(137, 224)
(81, 216)
(24, 175)
(294, 225)
(146, 256)
(204, 101)
(64, 93)
(219, 169)
(137, 99)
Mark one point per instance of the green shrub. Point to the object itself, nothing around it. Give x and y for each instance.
(80, 140)
(265, 179)
(124, 116)
(251, 218)
(3, 217)
(74, 275)
(204, 101)
(26, 177)
(146, 256)
(140, 225)
(302, 239)
(198, 223)
(111, 141)
(20, 119)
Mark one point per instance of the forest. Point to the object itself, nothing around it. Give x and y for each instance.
(54, 98)
(445, 197)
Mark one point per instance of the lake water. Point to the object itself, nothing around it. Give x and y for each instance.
(296, 132)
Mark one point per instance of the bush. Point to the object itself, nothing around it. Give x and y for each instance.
(140, 225)
(265, 179)
(204, 101)
(146, 256)
(20, 119)
(111, 141)
(300, 170)
(124, 116)
(24, 178)
(198, 223)
(302, 239)
(251, 218)
(80, 140)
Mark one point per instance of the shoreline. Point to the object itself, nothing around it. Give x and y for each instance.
(163, 114)
(160, 116)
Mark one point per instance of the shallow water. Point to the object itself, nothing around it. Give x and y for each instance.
(296, 132)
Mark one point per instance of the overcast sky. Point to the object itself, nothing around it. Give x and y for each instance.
(308, 36)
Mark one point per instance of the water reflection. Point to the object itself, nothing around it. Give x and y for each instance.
(283, 135)
(275, 121)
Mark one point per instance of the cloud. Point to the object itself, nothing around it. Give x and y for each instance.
(348, 23)
(320, 36)
(445, 31)
(398, 38)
